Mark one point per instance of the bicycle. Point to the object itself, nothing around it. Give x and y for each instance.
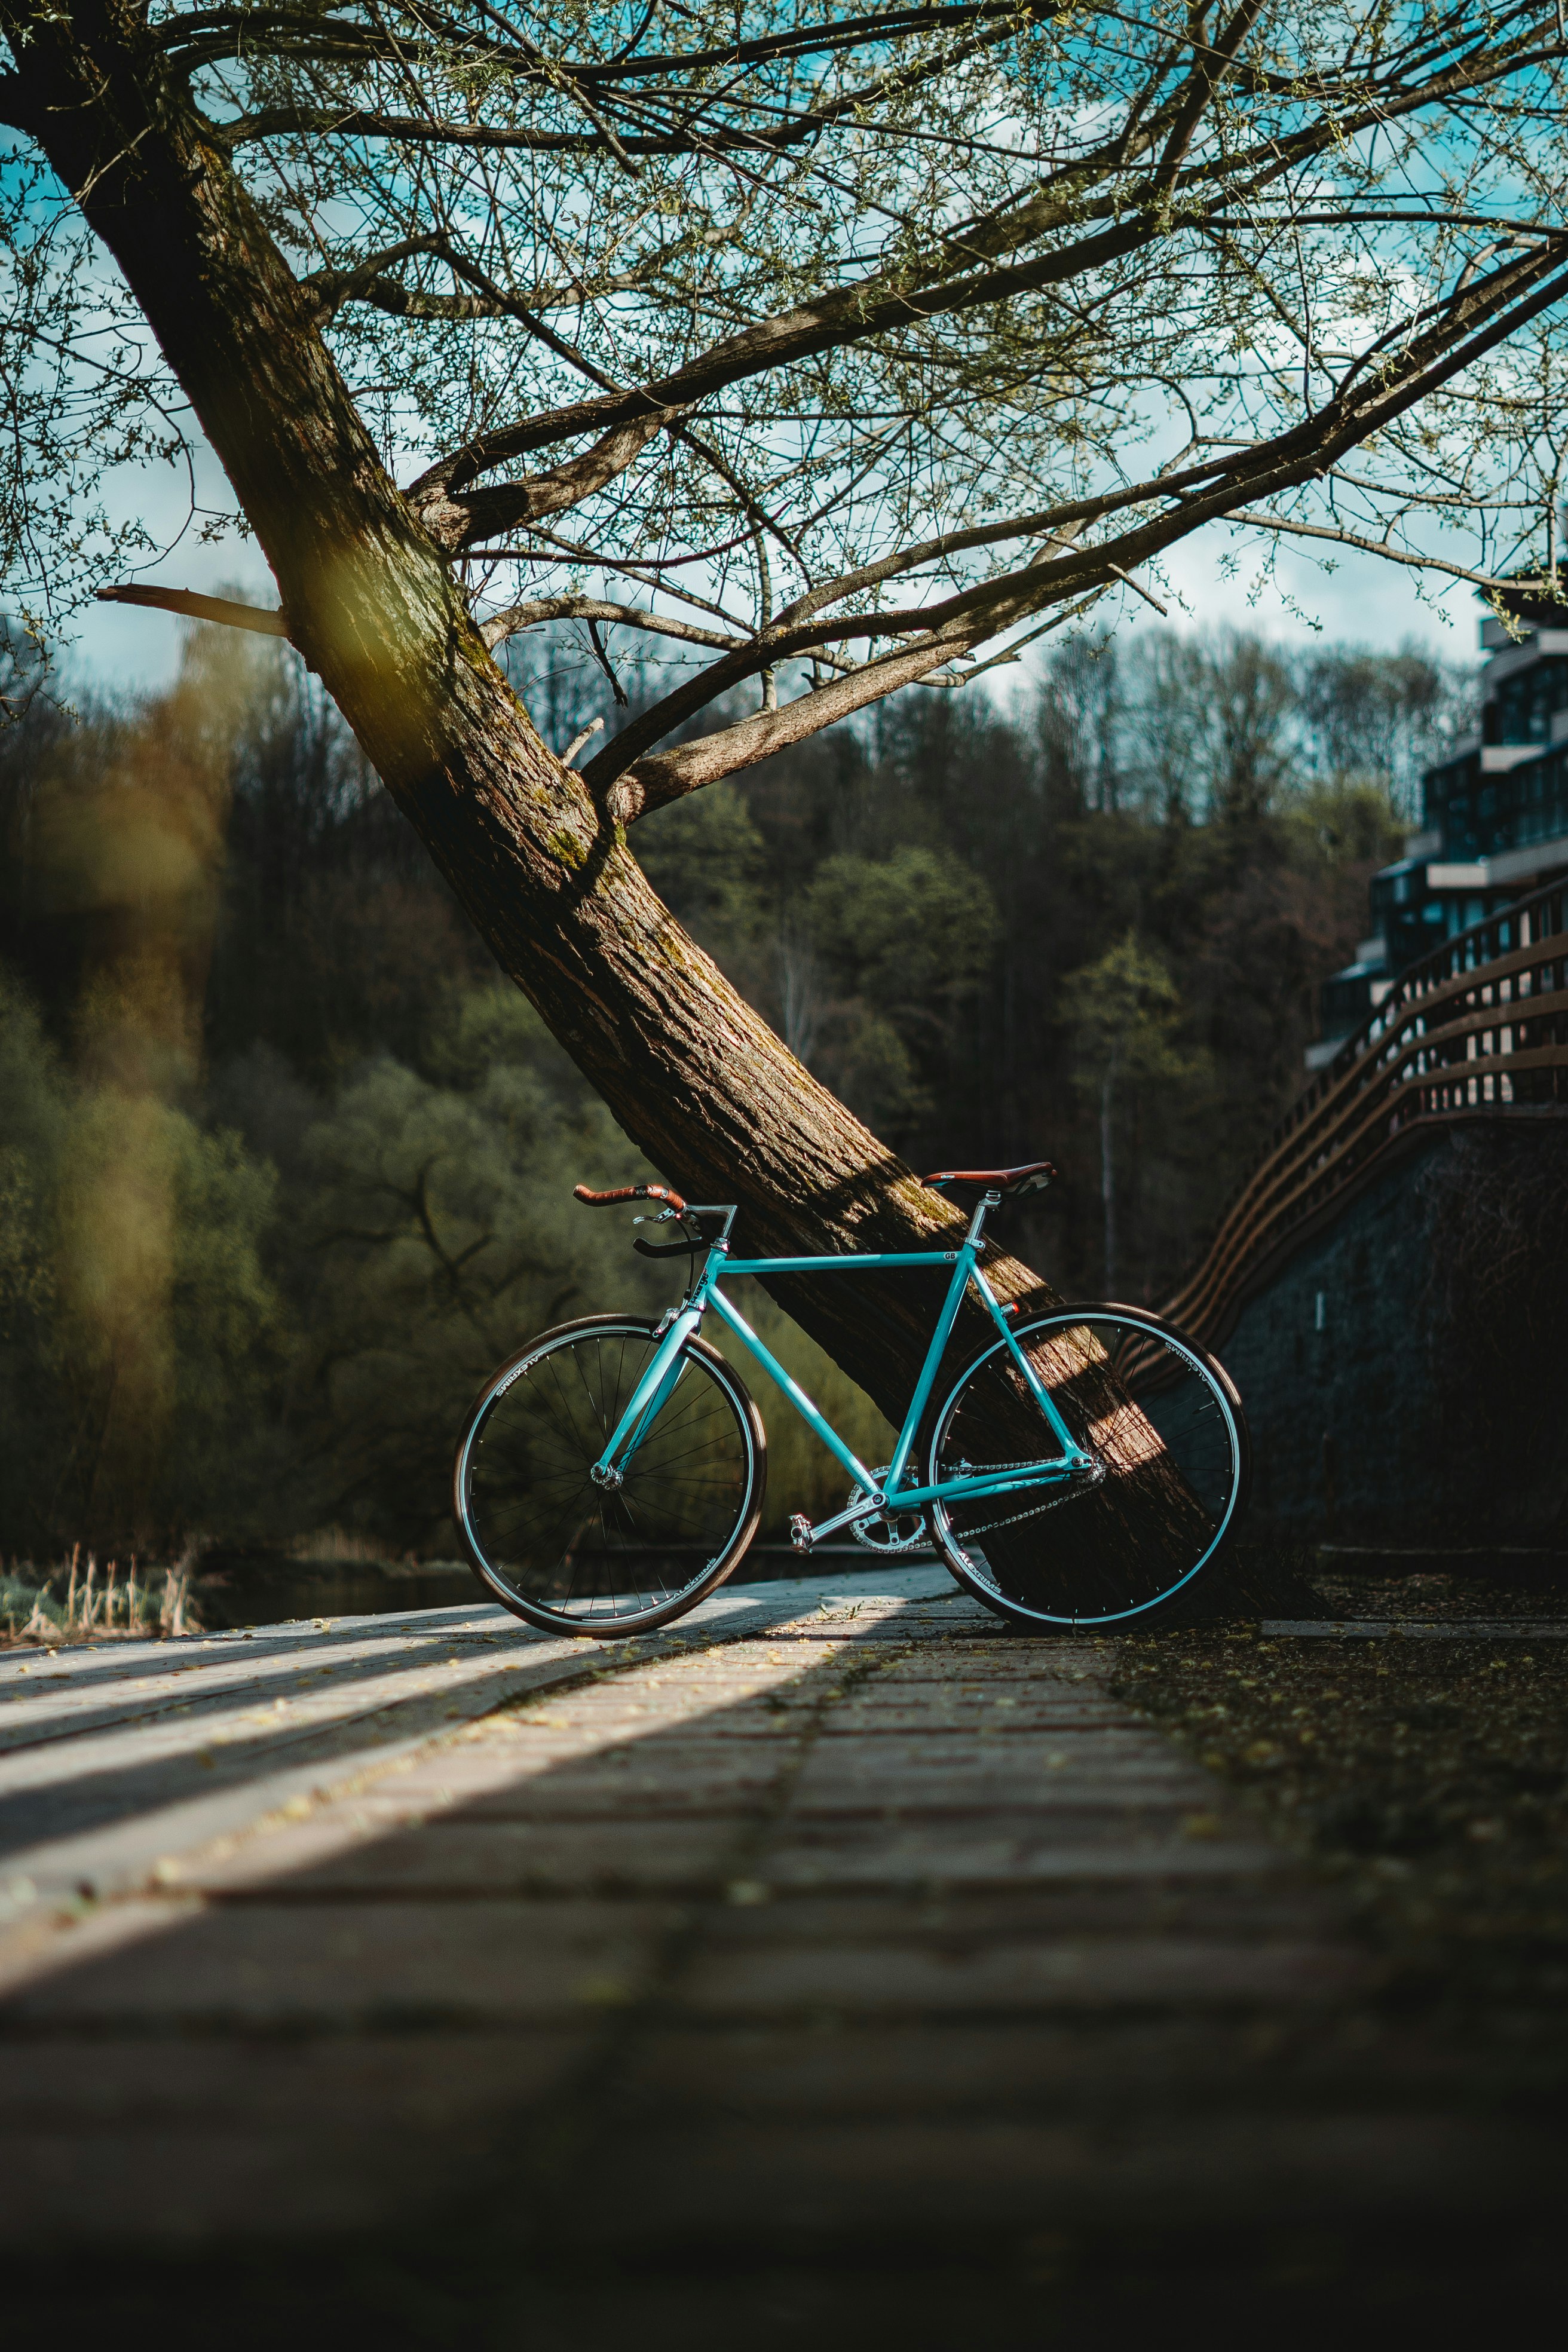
(611, 1473)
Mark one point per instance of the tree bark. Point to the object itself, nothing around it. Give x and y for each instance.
(697, 1079)
(1108, 1171)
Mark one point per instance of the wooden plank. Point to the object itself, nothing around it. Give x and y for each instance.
(118, 1758)
(805, 1931)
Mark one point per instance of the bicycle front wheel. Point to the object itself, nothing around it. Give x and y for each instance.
(1163, 1423)
(575, 1557)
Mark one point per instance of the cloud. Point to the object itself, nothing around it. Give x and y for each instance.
(1219, 574)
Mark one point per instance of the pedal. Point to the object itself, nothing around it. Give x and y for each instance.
(800, 1531)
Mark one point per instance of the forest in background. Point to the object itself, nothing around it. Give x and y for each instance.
(285, 1166)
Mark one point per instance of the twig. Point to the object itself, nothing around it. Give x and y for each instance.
(1129, 581)
(603, 659)
(577, 741)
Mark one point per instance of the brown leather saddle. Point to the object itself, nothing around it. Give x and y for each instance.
(1010, 1183)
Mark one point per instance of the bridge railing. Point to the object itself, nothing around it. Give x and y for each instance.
(1478, 1029)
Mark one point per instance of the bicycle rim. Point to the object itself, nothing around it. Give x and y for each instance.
(576, 1557)
(1166, 1428)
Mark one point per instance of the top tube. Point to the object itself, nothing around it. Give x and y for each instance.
(868, 1262)
(825, 1264)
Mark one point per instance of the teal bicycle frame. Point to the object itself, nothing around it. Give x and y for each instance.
(665, 1368)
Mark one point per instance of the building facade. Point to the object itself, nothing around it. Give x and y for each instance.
(1494, 817)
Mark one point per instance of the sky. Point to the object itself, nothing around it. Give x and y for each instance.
(124, 649)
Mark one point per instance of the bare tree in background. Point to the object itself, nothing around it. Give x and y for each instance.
(1124, 1011)
(829, 352)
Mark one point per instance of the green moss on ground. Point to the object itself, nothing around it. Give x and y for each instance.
(1428, 1776)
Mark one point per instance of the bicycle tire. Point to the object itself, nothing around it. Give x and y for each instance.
(570, 1556)
(1149, 1402)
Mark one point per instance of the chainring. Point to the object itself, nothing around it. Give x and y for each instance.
(891, 1531)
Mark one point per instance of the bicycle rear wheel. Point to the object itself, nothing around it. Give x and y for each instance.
(1165, 1425)
(575, 1557)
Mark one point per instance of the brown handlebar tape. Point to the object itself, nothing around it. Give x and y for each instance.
(630, 1192)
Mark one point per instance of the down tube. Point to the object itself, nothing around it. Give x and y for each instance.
(791, 1389)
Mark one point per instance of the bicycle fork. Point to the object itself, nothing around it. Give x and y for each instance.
(639, 1418)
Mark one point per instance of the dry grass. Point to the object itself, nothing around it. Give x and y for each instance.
(78, 1601)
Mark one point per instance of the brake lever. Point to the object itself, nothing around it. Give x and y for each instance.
(662, 1249)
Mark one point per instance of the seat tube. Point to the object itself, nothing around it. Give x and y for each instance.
(966, 1264)
(963, 1268)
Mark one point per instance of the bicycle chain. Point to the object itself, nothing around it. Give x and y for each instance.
(992, 1525)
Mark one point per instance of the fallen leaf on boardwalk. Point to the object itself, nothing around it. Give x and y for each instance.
(1435, 1787)
(1202, 1825)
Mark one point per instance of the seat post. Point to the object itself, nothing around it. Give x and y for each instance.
(987, 1202)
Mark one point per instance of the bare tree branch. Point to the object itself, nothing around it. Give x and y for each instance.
(220, 610)
(1383, 547)
(670, 774)
(454, 520)
(939, 288)
(1492, 309)
(501, 625)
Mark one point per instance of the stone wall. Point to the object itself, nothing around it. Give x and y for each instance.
(1403, 1374)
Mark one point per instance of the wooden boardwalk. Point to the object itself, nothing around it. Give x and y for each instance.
(836, 1928)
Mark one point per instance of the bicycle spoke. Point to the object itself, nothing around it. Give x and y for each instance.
(1072, 1556)
(566, 1549)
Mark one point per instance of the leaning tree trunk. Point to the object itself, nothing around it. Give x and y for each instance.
(697, 1079)
(1108, 1171)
